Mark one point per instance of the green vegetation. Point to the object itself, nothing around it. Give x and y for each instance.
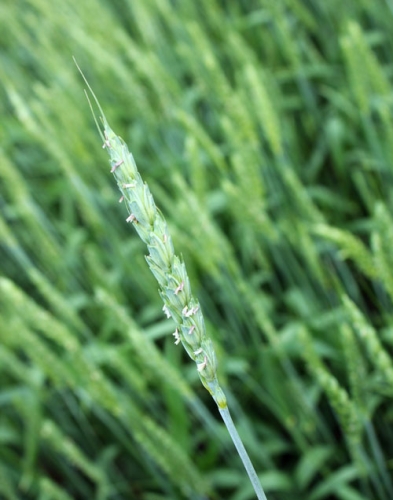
(171, 274)
(265, 132)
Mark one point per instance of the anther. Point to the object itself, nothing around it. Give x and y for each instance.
(179, 288)
(192, 328)
(189, 312)
(177, 336)
(117, 164)
(131, 218)
(166, 311)
(202, 366)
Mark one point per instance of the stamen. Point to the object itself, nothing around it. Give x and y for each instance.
(166, 311)
(177, 336)
(131, 218)
(189, 312)
(114, 167)
(202, 366)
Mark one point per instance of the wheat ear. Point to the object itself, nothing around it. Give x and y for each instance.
(170, 272)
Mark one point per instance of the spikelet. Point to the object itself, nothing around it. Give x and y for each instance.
(168, 269)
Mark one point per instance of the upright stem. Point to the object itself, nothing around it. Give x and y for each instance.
(226, 416)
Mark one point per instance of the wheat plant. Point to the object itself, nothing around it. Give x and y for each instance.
(269, 150)
(171, 274)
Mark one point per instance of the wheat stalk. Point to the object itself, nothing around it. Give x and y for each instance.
(171, 274)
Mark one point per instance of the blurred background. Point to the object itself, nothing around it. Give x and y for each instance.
(264, 130)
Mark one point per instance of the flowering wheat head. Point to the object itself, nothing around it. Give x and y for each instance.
(171, 274)
(168, 269)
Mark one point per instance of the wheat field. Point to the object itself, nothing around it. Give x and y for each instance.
(264, 130)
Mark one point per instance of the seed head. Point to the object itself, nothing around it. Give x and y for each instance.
(168, 269)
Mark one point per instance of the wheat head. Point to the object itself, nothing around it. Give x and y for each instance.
(167, 267)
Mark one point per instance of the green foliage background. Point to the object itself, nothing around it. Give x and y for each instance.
(264, 130)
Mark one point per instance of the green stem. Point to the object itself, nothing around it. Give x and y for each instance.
(226, 416)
